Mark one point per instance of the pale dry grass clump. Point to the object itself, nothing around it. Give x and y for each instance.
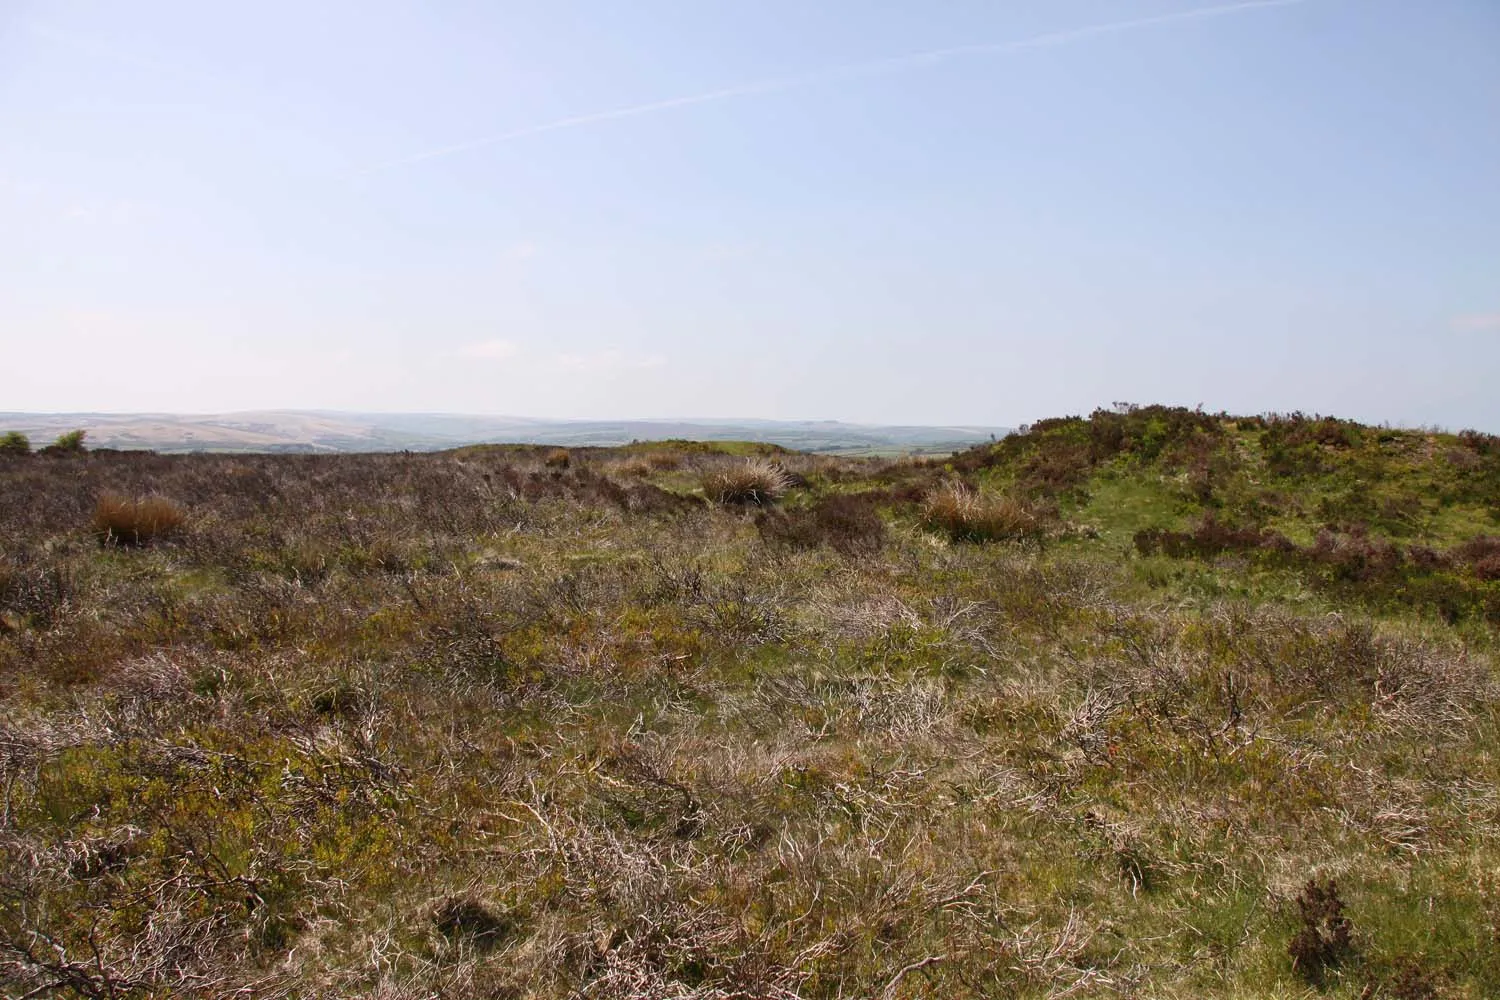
(754, 482)
(124, 521)
(966, 515)
(634, 467)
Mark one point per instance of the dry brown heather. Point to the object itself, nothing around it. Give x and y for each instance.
(478, 725)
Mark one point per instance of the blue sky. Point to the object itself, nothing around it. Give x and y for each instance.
(209, 207)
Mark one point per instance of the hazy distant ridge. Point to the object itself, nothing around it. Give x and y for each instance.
(312, 430)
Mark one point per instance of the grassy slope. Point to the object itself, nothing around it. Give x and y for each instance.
(466, 725)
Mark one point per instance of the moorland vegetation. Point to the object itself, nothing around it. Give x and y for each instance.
(1153, 702)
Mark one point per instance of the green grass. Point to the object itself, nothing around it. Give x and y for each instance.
(1120, 504)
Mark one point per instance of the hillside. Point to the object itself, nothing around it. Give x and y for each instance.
(1150, 703)
(298, 431)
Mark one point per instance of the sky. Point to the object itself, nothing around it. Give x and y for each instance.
(959, 213)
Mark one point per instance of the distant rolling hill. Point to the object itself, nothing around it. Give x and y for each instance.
(314, 431)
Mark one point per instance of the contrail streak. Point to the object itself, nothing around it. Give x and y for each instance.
(867, 68)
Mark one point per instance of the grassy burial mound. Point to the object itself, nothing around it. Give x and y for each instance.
(1149, 703)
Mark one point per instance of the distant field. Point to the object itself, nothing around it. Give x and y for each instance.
(1153, 703)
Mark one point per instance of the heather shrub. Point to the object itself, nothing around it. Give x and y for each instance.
(1147, 431)
(847, 523)
(1478, 441)
(122, 521)
(1055, 469)
(1356, 557)
(1482, 555)
(33, 588)
(1059, 454)
(1210, 537)
(1323, 938)
(754, 482)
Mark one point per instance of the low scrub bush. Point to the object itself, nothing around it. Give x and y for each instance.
(14, 443)
(847, 523)
(70, 443)
(1210, 538)
(122, 521)
(755, 483)
(1482, 555)
(1352, 562)
(1478, 441)
(1323, 939)
(33, 588)
(967, 515)
(1055, 470)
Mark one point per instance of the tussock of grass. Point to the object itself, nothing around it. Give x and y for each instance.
(634, 467)
(121, 520)
(754, 482)
(967, 515)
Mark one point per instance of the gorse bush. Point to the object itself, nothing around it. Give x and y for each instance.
(70, 443)
(121, 520)
(754, 482)
(14, 443)
(967, 515)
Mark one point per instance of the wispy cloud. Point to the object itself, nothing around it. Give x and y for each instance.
(1478, 323)
(832, 73)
